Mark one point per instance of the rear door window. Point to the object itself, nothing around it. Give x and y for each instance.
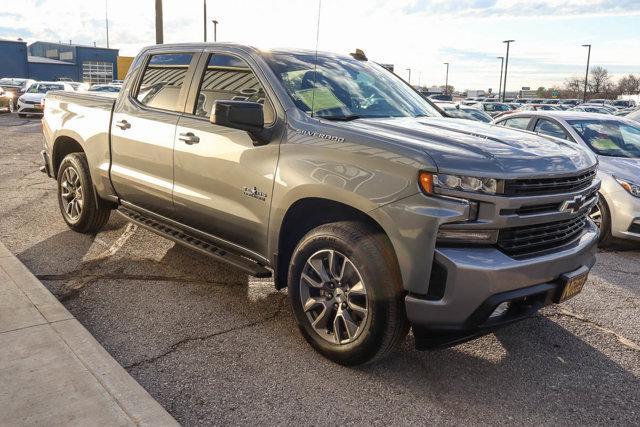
(517, 123)
(550, 128)
(163, 80)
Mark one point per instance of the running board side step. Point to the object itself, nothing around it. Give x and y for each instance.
(179, 236)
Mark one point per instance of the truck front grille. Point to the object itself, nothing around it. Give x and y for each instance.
(537, 186)
(528, 240)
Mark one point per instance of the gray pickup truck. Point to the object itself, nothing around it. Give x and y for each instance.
(338, 179)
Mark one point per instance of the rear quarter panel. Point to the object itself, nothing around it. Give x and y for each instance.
(85, 118)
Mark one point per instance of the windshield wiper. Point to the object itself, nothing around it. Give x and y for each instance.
(346, 118)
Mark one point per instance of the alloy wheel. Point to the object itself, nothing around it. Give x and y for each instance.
(334, 296)
(71, 193)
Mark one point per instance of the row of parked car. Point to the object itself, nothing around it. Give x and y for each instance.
(26, 96)
(612, 136)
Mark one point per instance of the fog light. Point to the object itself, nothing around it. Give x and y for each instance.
(467, 236)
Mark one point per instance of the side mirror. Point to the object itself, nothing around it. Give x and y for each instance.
(242, 115)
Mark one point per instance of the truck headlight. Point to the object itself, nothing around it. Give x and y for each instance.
(466, 183)
(431, 181)
(631, 187)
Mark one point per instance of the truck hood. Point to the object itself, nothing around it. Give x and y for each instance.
(37, 97)
(479, 149)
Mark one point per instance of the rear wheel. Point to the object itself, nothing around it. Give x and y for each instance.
(76, 196)
(346, 293)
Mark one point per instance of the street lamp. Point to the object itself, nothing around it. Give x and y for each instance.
(501, 58)
(204, 20)
(506, 66)
(446, 79)
(586, 76)
(215, 30)
(409, 70)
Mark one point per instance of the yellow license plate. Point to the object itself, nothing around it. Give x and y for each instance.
(573, 286)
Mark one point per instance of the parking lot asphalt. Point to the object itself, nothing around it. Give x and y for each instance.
(214, 346)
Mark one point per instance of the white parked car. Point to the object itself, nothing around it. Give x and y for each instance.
(31, 101)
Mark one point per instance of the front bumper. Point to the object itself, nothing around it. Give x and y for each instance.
(625, 215)
(479, 279)
(24, 108)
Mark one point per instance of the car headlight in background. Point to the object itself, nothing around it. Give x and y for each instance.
(431, 181)
(630, 186)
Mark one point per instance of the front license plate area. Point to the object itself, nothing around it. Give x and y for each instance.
(571, 285)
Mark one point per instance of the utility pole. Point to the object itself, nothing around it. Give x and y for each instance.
(204, 20)
(446, 79)
(106, 19)
(586, 76)
(501, 58)
(409, 70)
(159, 31)
(215, 30)
(506, 66)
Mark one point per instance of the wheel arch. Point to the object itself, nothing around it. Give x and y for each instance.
(63, 145)
(304, 215)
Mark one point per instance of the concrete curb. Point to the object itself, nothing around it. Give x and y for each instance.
(52, 370)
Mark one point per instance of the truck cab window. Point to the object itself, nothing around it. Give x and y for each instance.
(163, 79)
(230, 78)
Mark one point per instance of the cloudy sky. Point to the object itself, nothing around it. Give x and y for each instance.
(416, 34)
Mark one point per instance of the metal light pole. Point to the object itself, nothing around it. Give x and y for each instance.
(204, 20)
(215, 30)
(409, 69)
(501, 58)
(159, 32)
(586, 76)
(106, 19)
(506, 66)
(446, 79)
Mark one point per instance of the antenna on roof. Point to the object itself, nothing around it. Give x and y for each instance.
(315, 64)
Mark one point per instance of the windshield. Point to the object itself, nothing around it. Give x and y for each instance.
(342, 88)
(44, 88)
(609, 138)
(494, 106)
(12, 82)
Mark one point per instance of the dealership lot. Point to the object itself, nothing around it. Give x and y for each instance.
(215, 346)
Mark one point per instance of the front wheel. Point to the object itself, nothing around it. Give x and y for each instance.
(601, 217)
(76, 196)
(346, 293)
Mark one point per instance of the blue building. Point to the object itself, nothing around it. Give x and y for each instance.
(55, 61)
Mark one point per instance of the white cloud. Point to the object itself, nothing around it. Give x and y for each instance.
(467, 33)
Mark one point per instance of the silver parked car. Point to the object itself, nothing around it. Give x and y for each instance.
(616, 142)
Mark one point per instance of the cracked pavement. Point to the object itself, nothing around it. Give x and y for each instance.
(214, 346)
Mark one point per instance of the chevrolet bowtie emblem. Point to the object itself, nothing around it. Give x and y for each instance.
(574, 205)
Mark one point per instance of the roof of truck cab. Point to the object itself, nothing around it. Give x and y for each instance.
(202, 45)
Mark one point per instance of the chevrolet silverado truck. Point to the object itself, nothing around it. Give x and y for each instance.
(336, 178)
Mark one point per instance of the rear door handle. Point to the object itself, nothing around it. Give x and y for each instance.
(123, 124)
(189, 138)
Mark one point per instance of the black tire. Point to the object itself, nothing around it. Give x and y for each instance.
(22, 116)
(605, 238)
(90, 218)
(371, 253)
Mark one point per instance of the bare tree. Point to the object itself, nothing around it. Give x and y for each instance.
(574, 85)
(599, 80)
(629, 85)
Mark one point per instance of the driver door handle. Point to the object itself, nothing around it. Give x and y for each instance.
(123, 124)
(189, 138)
